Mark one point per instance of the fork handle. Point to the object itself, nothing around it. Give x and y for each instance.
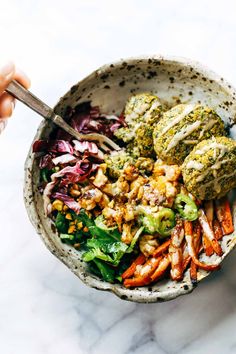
(18, 91)
(26, 97)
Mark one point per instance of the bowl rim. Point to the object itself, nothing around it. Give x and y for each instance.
(135, 294)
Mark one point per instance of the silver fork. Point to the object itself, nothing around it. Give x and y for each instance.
(26, 97)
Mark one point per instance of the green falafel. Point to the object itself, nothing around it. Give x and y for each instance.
(181, 128)
(209, 171)
(142, 112)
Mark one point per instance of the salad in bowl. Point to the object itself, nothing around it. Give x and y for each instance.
(156, 215)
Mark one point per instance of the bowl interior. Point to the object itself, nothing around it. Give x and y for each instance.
(174, 81)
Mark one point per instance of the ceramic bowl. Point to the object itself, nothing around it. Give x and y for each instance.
(174, 80)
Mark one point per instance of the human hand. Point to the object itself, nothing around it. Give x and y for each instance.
(8, 73)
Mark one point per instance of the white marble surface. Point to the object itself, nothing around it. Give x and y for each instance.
(44, 308)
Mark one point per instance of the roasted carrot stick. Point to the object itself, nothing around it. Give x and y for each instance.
(224, 215)
(208, 207)
(186, 256)
(207, 246)
(188, 229)
(161, 249)
(197, 234)
(144, 278)
(193, 273)
(209, 210)
(209, 233)
(175, 251)
(163, 265)
(217, 229)
(197, 245)
(130, 271)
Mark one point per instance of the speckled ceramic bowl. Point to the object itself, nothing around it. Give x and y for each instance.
(174, 80)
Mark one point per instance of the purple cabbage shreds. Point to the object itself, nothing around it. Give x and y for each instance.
(86, 119)
(83, 146)
(62, 135)
(46, 161)
(64, 159)
(68, 175)
(68, 201)
(52, 146)
(77, 173)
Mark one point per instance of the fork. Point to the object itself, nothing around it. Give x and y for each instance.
(25, 96)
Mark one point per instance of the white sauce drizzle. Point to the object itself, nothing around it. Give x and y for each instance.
(195, 165)
(213, 145)
(190, 142)
(188, 109)
(208, 126)
(221, 149)
(214, 167)
(155, 105)
(182, 134)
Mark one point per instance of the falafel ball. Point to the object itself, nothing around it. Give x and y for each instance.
(181, 128)
(209, 171)
(116, 162)
(142, 112)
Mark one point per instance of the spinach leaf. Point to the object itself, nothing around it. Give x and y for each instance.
(93, 229)
(108, 251)
(96, 253)
(107, 273)
(61, 223)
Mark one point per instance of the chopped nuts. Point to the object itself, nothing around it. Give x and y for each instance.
(57, 205)
(71, 229)
(79, 225)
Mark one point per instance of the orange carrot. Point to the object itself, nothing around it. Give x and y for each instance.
(186, 262)
(209, 233)
(217, 229)
(130, 271)
(145, 278)
(161, 249)
(207, 246)
(197, 235)
(175, 251)
(193, 273)
(163, 265)
(224, 215)
(188, 228)
(208, 207)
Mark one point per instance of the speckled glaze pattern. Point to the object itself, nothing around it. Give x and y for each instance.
(173, 80)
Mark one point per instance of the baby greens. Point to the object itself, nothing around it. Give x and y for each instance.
(104, 247)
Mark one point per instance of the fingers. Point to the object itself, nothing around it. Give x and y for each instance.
(7, 104)
(7, 73)
(22, 78)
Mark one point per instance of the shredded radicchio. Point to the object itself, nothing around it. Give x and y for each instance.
(83, 146)
(66, 176)
(77, 159)
(86, 119)
(52, 146)
(64, 159)
(69, 201)
(46, 161)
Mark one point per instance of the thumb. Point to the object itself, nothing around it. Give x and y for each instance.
(6, 75)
